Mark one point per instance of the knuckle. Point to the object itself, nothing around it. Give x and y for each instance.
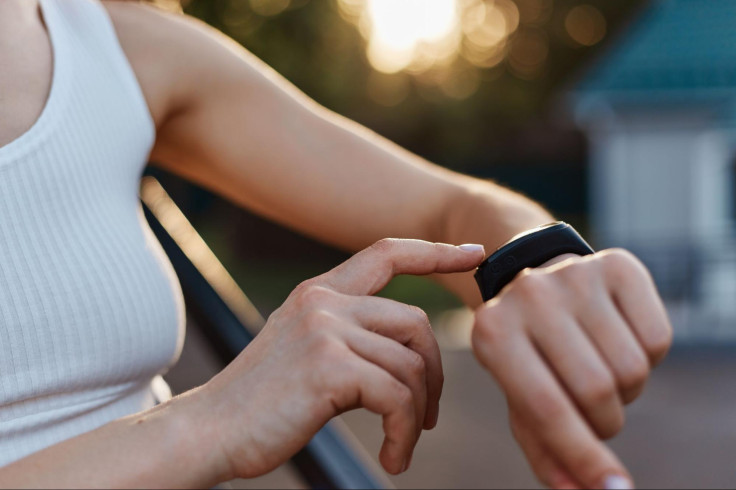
(532, 287)
(420, 323)
(622, 263)
(420, 316)
(660, 344)
(635, 374)
(439, 249)
(488, 329)
(416, 364)
(487, 314)
(313, 295)
(384, 246)
(578, 279)
(403, 396)
(317, 320)
(619, 257)
(601, 389)
(299, 289)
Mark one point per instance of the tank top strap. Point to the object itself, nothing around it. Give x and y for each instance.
(83, 36)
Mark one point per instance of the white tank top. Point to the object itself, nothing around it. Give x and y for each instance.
(91, 312)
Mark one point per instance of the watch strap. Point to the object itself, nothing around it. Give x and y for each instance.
(531, 249)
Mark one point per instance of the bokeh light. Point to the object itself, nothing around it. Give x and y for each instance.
(535, 12)
(586, 25)
(529, 53)
(398, 29)
(423, 35)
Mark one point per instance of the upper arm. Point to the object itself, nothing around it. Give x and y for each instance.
(198, 81)
(229, 122)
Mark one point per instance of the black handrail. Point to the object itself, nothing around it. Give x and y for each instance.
(332, 459)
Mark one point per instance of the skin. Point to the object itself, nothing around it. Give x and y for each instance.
(570, 343)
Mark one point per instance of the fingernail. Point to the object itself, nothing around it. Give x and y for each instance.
(617, 483)
(471, 247)
(404, 466)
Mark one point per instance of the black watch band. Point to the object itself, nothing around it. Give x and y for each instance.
(529, 249)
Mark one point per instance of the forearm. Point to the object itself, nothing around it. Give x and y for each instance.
(255, 139)
(488, 214)
(159, 448)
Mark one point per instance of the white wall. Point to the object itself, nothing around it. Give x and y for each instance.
(654, 183)
(663, 184)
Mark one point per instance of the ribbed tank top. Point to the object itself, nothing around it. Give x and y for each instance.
(91, 312)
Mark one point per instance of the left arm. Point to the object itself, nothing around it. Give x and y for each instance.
(230, 123)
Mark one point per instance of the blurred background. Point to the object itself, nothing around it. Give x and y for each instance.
(618, 116)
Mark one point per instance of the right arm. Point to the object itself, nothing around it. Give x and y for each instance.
(164, 447)
(331, 347)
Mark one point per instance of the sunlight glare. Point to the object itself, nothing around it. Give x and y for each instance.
(398, 29)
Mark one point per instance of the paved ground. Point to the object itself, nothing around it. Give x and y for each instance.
(681, 434)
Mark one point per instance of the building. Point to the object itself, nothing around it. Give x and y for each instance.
(659, 108)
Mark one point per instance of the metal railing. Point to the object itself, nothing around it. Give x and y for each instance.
(333, 458)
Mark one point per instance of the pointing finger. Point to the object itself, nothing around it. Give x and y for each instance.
(367, 272)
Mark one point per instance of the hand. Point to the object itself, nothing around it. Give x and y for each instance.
(571, 344)
(333, 347)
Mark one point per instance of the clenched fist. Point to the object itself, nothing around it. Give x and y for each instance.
(570, 344)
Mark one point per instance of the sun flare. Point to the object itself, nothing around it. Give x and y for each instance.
(419, 35)
(400, 28)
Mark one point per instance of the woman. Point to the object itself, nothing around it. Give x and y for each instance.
(91, 314)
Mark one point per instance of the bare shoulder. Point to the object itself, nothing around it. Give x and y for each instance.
(171, 54)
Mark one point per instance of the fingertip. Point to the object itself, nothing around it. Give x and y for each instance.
(430, 421)
(393, 462)
(471, 256)
(617, 482)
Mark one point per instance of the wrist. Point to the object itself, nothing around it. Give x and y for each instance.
(193, 439)
(490, 214)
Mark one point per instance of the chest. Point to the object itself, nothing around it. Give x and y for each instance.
(86, 296)
(26, 67)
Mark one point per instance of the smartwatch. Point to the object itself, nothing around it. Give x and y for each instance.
(529, 249)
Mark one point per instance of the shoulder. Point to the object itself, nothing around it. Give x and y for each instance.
(169, 53)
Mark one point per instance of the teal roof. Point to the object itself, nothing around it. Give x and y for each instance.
(672, 46)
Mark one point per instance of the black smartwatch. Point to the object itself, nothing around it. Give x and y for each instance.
(529, 249)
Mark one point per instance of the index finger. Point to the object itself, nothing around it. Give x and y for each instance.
(368, 271)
